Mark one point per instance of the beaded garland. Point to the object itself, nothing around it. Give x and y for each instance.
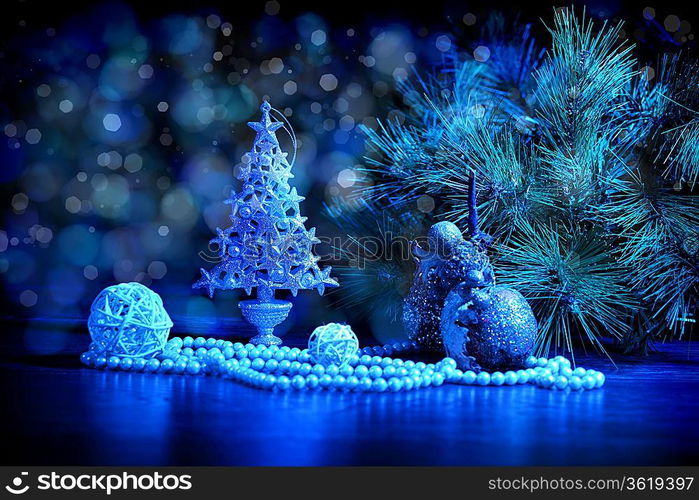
(371, 370)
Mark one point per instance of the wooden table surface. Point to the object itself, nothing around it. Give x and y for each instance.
(56, 412)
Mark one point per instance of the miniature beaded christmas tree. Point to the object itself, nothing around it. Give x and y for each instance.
(267, 247)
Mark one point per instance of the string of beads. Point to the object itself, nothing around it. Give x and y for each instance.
(371, 370)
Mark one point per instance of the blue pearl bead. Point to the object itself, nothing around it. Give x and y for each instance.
(420, 365)
(113, 362)
(312, 381)
(325, 380)
(257, 364)
(575, 383)
(152, 365)
(100, 361)
(352, 383)
(250, 347)
(579, 372)
(187, 341)
(305, 369)
(280, 355)
(125, 364)
(522, 376)
(437, 379)
(510, 378)
(187, 351)
(238, 346)
(284, 365)
(361, 371)
(376, 360)
(266, 355)
(199, 342)
(375, 372)
(332, 370)
(138, 364)
(599, 379)
(201, 352)
(546, 380)
(228, 352)
(193, 367)
(447, 371)
(180, 366)
(346, 370)
(298, 382)
(565, 371)
(497, 378)
(530, 362)
(389, 371)
(365, 384)
(469, 377)
(542, 362)
(408, 364)
(210, 343)
(365, 359)
(483, 378)
(379, 385)
(86, 358)
(408, 383)
(402, 372)
(283, 383)
(245, 362)
(561, 382)
(385, 362)
(339, 382)
(304, 357)
(167, 365)
(425, 380)
(318, 370)
(395, 384)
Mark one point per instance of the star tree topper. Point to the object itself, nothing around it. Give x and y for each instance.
(267, 245)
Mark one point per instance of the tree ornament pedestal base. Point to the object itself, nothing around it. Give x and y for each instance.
(265, 316)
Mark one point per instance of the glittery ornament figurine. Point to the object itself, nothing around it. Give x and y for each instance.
(333, 344)
(492, 328)
(450, 260)
(267, 247)
(128, 320)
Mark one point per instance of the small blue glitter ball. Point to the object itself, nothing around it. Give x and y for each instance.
(128, 320)
(333, 344)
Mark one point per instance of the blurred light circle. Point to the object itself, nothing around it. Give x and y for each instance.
(20, 202)
(10, 130)
(318, 37)
(111, 122)
(163, 106)
(33, 136)
(90, 272)
(43, 90)
(443, 43)
(133, 162)
(73, 204)
(66, 105)
(145, 71)
(328, 82)
(157, 269)
(28, 298)
(346, 178)
(93, 61)
(481, 54)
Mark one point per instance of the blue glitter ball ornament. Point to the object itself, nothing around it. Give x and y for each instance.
(128, 320)
(333, 344)
(491, 327)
